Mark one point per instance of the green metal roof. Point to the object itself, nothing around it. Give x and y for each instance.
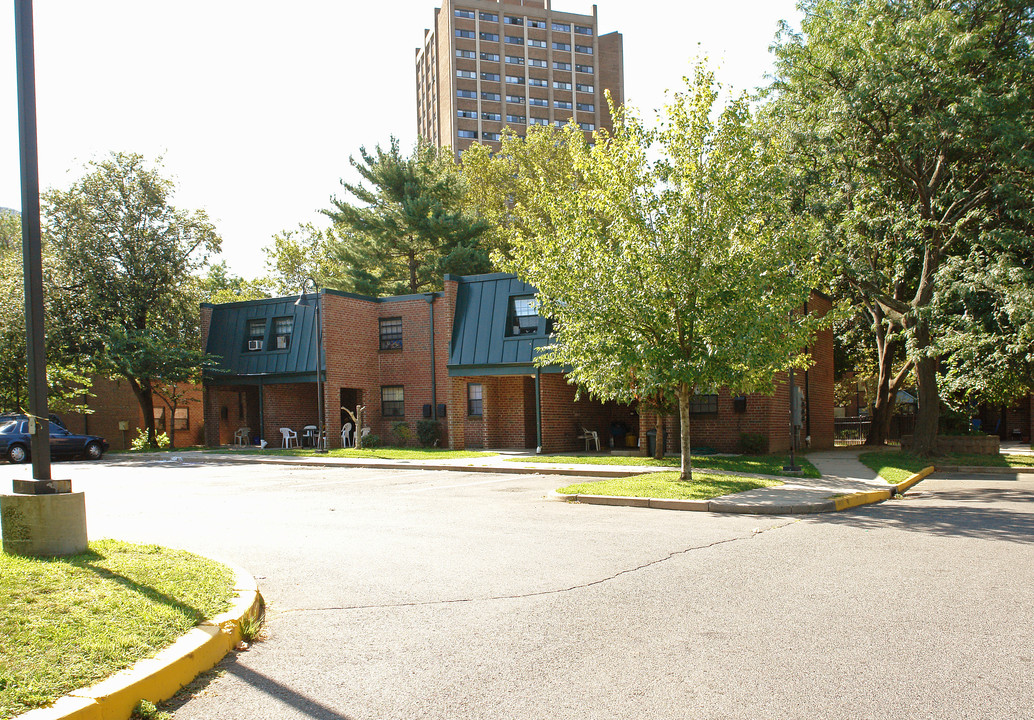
(481, 343)
(228, 339)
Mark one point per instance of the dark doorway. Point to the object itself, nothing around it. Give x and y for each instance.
(350, 397)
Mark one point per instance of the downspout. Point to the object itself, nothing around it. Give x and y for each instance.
(262, 411)
(538, 410)
(434, 386)
(807, 393)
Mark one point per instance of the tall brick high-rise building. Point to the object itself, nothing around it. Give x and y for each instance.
(489, 64)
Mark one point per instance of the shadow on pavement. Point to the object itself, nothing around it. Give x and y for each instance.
(306, 705)
(970, 522)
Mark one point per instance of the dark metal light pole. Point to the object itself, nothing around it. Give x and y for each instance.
(321, 426)
(31, 244)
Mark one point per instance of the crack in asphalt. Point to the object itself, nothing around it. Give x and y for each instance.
(424, 603)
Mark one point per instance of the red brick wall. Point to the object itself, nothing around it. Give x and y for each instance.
(114, 401)
(354, 359)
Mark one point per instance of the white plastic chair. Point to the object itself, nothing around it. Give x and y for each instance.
(346, 435)
(310, 435)
(590, 436)
(289, 438)
(242, 436)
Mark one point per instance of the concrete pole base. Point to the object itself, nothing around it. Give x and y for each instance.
(44, 525)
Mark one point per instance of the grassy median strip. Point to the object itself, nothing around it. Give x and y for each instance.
(755, 464)
(69, 622)
(364, 454)
(666, 486)
(895, 466)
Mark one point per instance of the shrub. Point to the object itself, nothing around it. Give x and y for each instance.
(753, 443)
(140, 441)
(401, 433)
(429, 432)
(371, 441)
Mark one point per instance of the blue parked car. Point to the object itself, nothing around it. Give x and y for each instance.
(15, 441)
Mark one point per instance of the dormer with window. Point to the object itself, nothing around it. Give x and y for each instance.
(256, 335)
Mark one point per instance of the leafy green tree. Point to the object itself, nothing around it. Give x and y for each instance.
(299, 254)
(667, 258)
(219, 285)
(914, 120)
(409, 227)
(68, 386)
(125, 259)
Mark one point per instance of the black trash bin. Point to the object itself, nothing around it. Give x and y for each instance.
(651, 442)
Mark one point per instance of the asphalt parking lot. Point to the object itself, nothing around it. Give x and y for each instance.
(432, 594)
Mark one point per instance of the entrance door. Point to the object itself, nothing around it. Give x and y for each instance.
(350, 398)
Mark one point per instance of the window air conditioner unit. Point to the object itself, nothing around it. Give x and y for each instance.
(254, 344)
(281, 342)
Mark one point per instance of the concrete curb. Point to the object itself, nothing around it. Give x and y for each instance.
(159, 678)
(727, 505)
(985, 470)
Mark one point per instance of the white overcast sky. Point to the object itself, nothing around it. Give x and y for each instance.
(256, 106)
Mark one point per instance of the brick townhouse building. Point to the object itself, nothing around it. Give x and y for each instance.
(463, 356)
(114, 413)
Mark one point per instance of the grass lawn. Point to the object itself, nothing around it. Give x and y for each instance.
(69, 622)
(895, 466)
(378, 453)
(759, 464)
(666, 485)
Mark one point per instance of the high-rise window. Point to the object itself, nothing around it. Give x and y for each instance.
(488, 17)
(465, 14)
(561, 46)
(490, 37)
(583, 30)
(561, 27)
(583, 68)
(587, 49)
(465, 34)
(495, 117)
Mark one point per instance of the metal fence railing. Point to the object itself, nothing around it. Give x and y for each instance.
(850, 430)
(854, 430)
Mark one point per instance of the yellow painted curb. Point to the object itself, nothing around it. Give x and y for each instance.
(901, 487)
(159, 678)
(66, 708)
(861, 498)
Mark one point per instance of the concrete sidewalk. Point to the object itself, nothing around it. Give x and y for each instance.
(842, 476)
